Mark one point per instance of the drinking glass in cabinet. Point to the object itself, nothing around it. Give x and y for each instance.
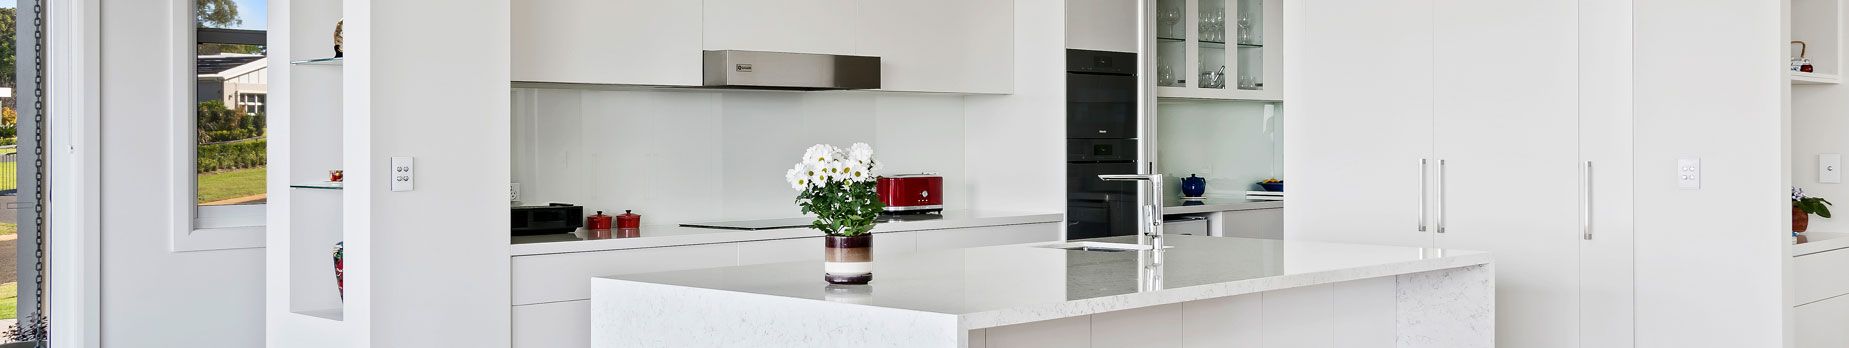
(1165, 75)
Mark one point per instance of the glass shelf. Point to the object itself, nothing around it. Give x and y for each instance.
(319, 185)
(1169, 39)
(335, 61)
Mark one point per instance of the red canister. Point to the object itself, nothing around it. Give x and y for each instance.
(597, 222)
(628, 220)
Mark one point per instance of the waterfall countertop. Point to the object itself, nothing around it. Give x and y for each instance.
(1003, 285)
(674, 235)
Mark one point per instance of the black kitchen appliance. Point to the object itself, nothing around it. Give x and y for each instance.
(1101, 138)
(547, 219)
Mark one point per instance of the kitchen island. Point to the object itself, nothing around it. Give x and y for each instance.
(1201, 291)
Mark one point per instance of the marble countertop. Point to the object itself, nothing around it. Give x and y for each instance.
(1174, 205)
(673, 235)
(1012, 284)
(1817, 242)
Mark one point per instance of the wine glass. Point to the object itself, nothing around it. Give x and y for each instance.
(1165, 75)
(1170, 17)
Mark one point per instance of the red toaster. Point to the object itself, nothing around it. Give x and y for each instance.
(912, 193)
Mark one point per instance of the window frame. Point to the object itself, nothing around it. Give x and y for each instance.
(196, 227)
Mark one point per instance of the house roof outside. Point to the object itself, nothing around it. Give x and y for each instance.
(226, 65)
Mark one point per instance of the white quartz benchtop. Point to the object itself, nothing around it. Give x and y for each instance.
(1817, 242)
(1012, 284)
(674, 235)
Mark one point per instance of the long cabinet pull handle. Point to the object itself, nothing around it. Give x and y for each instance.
(1423, 179)
(1441, 196)
(1585, 216)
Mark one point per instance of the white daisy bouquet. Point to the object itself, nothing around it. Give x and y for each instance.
(838, 187)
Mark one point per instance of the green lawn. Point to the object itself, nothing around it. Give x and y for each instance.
(230, 184)
(8, 228)
(9, 300)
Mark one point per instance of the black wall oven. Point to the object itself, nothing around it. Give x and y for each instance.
(1101, 138)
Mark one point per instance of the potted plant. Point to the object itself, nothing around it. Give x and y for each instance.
(838, 187)
(1803, 206)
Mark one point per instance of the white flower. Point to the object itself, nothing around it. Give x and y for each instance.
(820, 154)
(797, 176)
(860, 153)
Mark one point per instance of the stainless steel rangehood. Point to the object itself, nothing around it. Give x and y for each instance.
(789, 71)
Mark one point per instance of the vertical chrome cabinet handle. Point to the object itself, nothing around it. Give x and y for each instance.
(1422, 182)
(1585, 216)
(1441, 196)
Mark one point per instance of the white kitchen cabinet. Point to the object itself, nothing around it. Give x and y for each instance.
(553, 324)
(954, 46)
(1101, 25)
(1507, 146)
(802, 26)
(552, 292)
(566, 277)
(1255, 223)
(1606, 259)
(631, 42)
(1359, 144)
(1463, 118)
(1820, 276)
(986, 236)
(1820, 324)
(1822, 299)
(1219, 49)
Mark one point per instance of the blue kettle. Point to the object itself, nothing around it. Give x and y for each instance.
(1193, 186)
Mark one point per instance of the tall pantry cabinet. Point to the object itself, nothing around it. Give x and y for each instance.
(1457, 124)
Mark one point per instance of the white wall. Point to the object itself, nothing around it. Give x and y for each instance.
(152, 297)
(1232, 144)
(684, 156)
(1709, 261)
(1015, 147)
(427, 79)
(1820, 125)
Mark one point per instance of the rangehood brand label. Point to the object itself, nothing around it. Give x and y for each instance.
(741, 67)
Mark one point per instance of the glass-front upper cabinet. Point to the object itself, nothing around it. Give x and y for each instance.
(1218, 49)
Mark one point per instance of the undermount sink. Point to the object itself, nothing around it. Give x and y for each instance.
(1097, 246)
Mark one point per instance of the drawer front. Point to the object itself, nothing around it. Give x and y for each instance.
(565, 277)
(1820, 324)
(553, 325)
(1257, 223)
(987, 236)
(1821, 275)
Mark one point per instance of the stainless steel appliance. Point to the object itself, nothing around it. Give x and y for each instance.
(1101, 139)
(788, 71)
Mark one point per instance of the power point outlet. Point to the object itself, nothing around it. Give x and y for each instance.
(513, 192)
(404, 174)
(1688, 173)
(1830, 168)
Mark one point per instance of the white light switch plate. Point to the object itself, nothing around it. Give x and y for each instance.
(403, 174)
(1688, 173)
(1830, 168)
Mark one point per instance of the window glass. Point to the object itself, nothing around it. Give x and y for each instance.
(9, 160)
(231, 88)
